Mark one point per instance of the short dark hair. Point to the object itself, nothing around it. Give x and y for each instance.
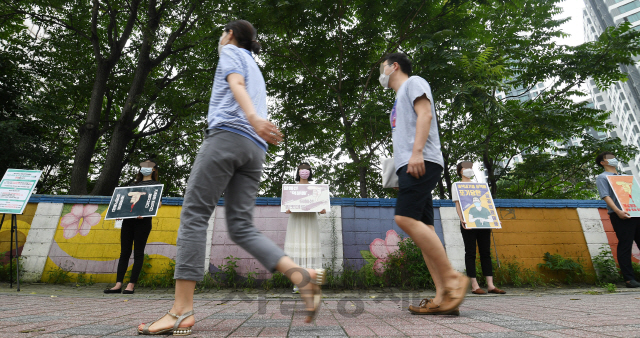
(245, 34)
(601, 156)
(402, 59)
(458, 169)
(310, 172)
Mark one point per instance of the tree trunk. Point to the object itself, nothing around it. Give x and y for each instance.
(447, 178)
(89, 133)
(123, 133)
(364, 193)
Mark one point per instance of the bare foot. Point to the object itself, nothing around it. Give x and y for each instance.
(130, 287)
(168, 321)
(117, 287)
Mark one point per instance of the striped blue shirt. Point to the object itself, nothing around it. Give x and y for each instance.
(224, 111)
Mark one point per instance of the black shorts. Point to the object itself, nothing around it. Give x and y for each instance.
(414, 196)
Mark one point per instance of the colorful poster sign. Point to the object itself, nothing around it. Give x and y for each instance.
(305, 198)
(16, 188)
(131, 202)
(477, 206)
(627, 191)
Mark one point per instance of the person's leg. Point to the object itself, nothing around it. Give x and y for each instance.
(636, 237)
(625, 232)
(140, 236)
(469, 239)
(438, 282)
(410, 208)
(217, 159)
(126, 243)
(483, 238)
(240, 200)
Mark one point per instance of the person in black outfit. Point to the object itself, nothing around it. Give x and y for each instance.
(135, 231)
(471, 236)
(627, 228)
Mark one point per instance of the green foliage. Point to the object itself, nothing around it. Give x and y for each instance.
(569, 176)
(605, 266)
(278, 280)
(81, 280)
(636, 270)
(6, 270)
(228, 274)
(59, 275)
(511, 272)
(163, 279)
(250, 282)
(121, 85)
(406, 268)
(610, 287)
(572, 270)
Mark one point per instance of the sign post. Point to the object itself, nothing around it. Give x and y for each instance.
(16, 188)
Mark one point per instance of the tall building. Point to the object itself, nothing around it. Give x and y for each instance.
(623, 98)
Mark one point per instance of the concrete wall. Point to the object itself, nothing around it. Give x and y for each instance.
(70, 232)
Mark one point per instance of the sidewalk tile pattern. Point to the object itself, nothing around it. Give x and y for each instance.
(582, 315)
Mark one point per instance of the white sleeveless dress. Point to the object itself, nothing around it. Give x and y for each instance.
(302, 242)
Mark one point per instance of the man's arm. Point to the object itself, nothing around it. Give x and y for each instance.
(264, 128)
(422, 106)
(620, 213)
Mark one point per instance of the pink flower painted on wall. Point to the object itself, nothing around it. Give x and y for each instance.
(382, 248)
(80, 220)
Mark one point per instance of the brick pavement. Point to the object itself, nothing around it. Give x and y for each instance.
(66, 311)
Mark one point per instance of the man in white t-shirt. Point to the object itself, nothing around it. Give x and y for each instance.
(419, 164)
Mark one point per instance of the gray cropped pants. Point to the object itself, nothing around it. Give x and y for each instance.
(228, 161)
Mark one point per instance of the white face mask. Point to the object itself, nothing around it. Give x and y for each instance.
(220, 45)
(384, 78)
(468, 173)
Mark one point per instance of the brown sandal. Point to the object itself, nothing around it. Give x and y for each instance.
(479, 291)
(497, 291)
(317, 295)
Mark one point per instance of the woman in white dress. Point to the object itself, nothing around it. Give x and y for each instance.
(302, 243)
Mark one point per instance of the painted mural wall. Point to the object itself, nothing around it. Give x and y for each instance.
(70, 233)
(23, 227)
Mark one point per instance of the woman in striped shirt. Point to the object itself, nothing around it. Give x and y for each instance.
(230, 161)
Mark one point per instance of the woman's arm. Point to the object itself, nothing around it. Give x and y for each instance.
(459, 210)
(263, 128)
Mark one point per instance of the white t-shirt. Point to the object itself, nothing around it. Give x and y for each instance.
(454, 195)
(403, 124)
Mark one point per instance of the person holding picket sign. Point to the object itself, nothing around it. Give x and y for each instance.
(134, 234)
(302, 242)
(472, 235)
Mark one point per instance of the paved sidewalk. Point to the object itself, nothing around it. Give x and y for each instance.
(66, 311)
